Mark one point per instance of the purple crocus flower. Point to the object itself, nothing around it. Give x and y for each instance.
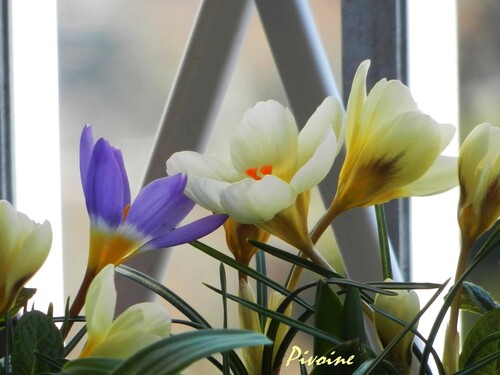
(120, 229)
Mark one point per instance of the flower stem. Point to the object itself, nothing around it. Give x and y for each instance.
(452, 337)
(385, 253)
(79, 300)
(324, 222)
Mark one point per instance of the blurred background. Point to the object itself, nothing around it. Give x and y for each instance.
(116, 62)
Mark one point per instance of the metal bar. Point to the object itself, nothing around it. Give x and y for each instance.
(6, 172)
(191, 109)
(307, 77)
(376, 30)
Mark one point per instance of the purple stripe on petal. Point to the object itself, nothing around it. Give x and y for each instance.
(86, 147)
(104, 189)
(126, 185)
(188, 232)
(160, 206)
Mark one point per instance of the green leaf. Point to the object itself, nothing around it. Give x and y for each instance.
(247, 270)
(90, 366)
(173, 354)
(294, 259)
(35, 332)
(327, 317)
(483, 340)
(163, 292)
(477, 300)
(352, 325)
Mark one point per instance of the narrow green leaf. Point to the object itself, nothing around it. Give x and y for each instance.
(90, 366)
(167, 294)
(352, 325)
(282, 318)
(223, 286)
(478, 365)
(482, 340)
(260, 265)
(175, 353)
(247, 270)
(489, 245)
(164, 293)
(383, 239)
(35, 332)
(294, 259)
(327, 317)
(75, 340)
(477, 300)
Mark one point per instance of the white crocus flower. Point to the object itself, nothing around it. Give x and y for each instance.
(137, 327)
(271, 171)
(24, 247)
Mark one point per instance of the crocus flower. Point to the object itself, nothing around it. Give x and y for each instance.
(478, 210)
(479, 175)
(24, 247)
(119, 229)
(271, 171)
(393, 150)
(137, 327)
(404, 306)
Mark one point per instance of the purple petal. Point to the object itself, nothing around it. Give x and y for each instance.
(160, 206)
(126, 186)
(104, 190)
(187, 233)
(86, 147)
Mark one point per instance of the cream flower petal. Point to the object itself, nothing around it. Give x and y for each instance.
(328, 116)
(440, 177)
(100, 302)
(32, 252)
(9, 232)
(356, 101)
(267, 135)
(206, 192)
(317, 167)
(386, 101)
(146, 316)
(141, 324)
(124, 344)
(254, 202)
(193, 163)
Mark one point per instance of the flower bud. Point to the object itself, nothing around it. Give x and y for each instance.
(249, 319)
(479, 176)
(24, 247)
(404, 306)
(236, 239)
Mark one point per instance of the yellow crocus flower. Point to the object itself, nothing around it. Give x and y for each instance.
(393, 150)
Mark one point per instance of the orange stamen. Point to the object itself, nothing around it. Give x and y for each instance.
(125, 212)
(257, 173)
(252, 172)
